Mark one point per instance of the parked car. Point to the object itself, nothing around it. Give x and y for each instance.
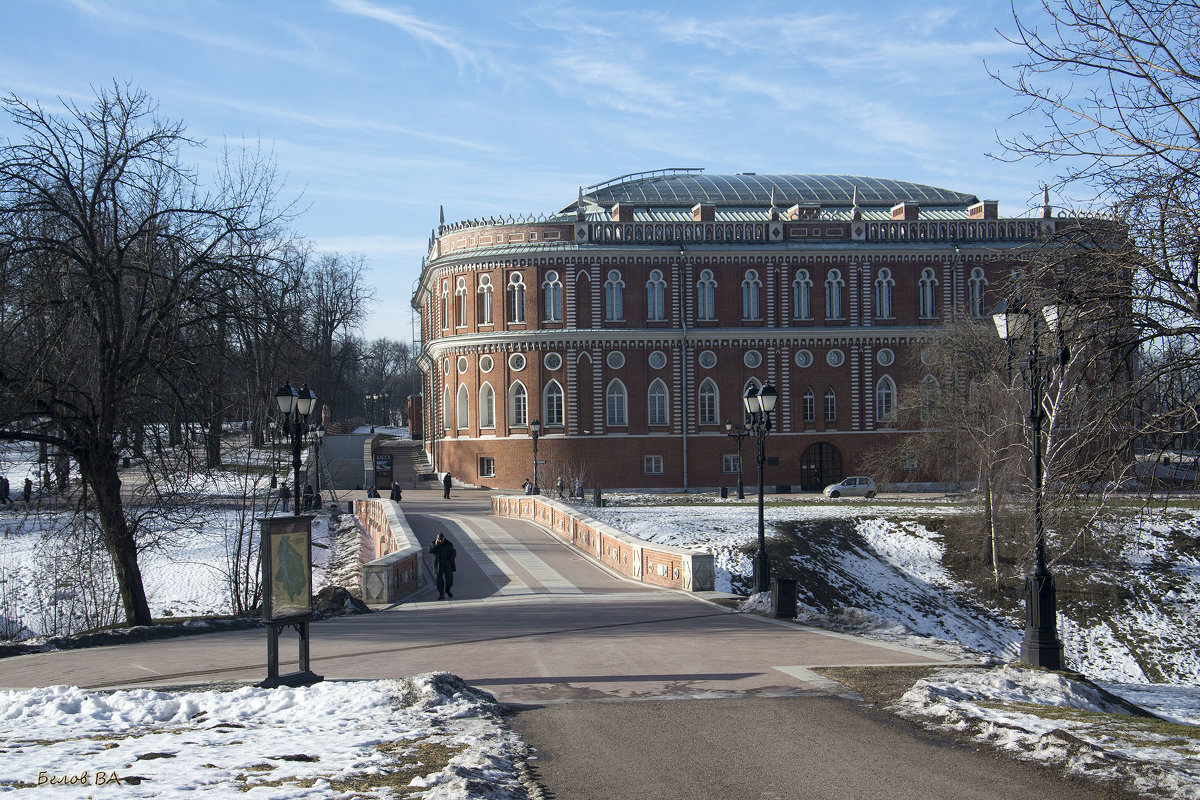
(857, 486)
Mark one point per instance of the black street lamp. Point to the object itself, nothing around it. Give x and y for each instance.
(297, 405)
(535, 430)
(316, 437)
(738, 433)
(759, 405)
(1041, 646)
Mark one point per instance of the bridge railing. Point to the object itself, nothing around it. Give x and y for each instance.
(657, 564)
(391, 565)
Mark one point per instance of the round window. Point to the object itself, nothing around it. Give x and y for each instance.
(462, 364)
(516, 362)
(616, 359)
(445, 366)
(835, 358)
(485, 363)
(804, 359)
(658, 359)
(552, 361)
(885, 357)
(927, 357)
(752, 358)
(708, 359)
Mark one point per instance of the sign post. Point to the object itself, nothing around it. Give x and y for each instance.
(286, 551)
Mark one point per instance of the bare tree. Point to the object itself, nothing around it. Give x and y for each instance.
(111, 255)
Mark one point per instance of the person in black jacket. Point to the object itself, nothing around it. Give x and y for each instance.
(397, 494)
(443, 561)
(446, 484)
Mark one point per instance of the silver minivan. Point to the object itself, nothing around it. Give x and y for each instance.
(857, 486)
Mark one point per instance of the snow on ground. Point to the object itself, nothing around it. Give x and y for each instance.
(431, 732)
(1042, 716)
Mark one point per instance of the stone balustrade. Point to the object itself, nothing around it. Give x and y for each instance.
(391, 565)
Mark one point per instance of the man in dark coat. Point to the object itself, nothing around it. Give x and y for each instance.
(396, 493)
(28, 493)
(446, 484)
(443, 566)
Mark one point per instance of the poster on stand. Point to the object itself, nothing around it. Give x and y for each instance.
(287, 568)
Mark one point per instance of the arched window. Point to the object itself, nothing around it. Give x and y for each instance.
(833, 294)
(445, 305)
(614, 296)
(487, 406)
(446, 408)
(925, 290)
(552, 294)
(931, 390)
(616, 398)
(518, 405)
(750, 290)
(656, 309)
(976, 285)
(516, 298)
(656, 403)
(885, 401)
(802, 295)
(460, 302)
(883, 294)
(552, 405)
(830, 405)
(706, 295)
(708, 405)
(483, 297)
(810, 405)
(464, 412)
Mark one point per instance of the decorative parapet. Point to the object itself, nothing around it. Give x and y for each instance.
(391, 570)
(657, 564)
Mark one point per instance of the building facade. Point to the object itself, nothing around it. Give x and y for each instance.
(630, 323)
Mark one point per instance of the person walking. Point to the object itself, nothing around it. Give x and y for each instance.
(396, 495)
(285, 494)
(3, 490)
(308, 494)
(28, 494)
(443, 562)
(446, 484)
(559, 486)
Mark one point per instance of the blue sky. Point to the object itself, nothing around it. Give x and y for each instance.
(378, 112)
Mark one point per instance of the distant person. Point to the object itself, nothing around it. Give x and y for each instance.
(373, 493)
(4, 490)
(28, 493)
(396, 495)
(559, 486)
(527, 486)
(285, 494)
(579, 488)
(308, 497)
(446, 484)
(317, 501)
(443, 562)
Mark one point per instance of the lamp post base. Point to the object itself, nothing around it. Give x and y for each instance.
(741, 489)
(1041, 646)
(762, 572)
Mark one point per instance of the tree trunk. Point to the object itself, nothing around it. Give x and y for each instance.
(99, 468)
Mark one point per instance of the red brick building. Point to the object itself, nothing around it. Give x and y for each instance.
(631, 322)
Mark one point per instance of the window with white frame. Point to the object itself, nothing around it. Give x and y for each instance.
(487, 467)
(464, 412)
(926, 292)
(833, 294)
(483, 299)
(487, 406)
(656, 403)
(614, 297)
(445, 305)
(885, 401)
(976, 285)
(830, 405)
(652, 465)
(552, 295)
(802, 295)
(656, 309)
(460, 302)
(516, 298)
(751, 287)
(616, 401)
(883, 294)
(446, 418)
(707, 405)
(810, 405)
(731, 464)
(518, 405)
(552, 405)
(706, 296)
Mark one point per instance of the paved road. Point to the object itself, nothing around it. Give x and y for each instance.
(571, 646)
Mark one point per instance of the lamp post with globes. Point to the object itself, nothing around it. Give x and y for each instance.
(295, 406)
(759, 405)
(535, 430)
(1041, 646)
(316, 437)
(738, 434)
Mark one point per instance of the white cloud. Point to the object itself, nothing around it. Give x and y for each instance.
(430, 33)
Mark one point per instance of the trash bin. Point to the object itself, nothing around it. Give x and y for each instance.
(724, 493)
(783, 598)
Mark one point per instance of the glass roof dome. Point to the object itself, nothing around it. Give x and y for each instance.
(684, 188)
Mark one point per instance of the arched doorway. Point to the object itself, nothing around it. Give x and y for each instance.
(820, 466)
